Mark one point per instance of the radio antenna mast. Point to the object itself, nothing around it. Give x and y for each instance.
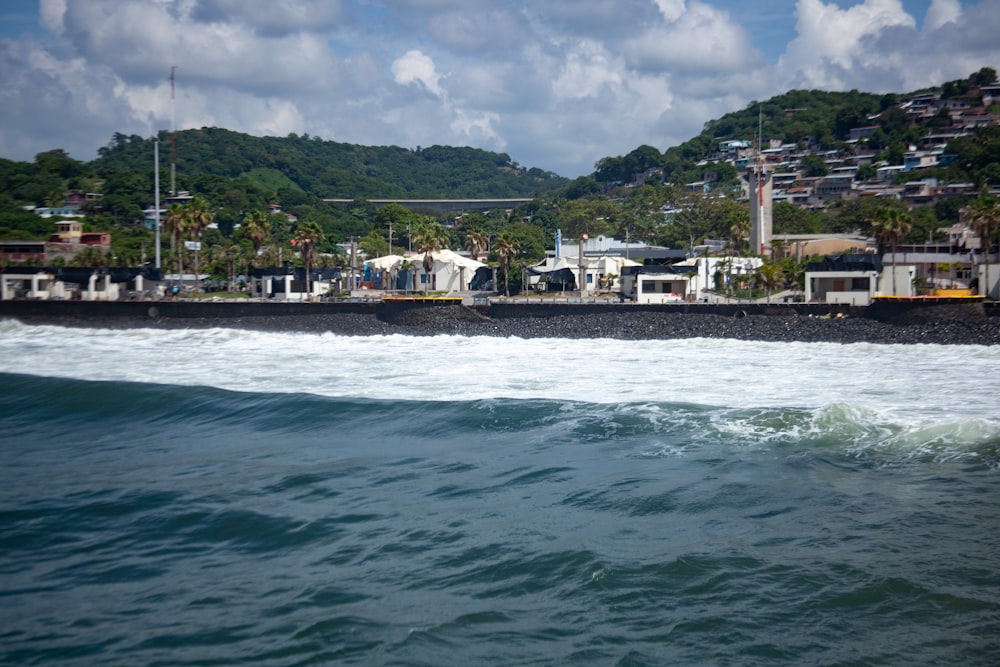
(760, 178)
(173, 136)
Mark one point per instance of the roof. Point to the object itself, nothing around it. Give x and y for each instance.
(861, 263)
(445, 257)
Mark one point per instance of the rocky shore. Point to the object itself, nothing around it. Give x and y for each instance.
(620, 325)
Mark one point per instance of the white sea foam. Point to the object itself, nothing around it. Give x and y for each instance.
(922, 386)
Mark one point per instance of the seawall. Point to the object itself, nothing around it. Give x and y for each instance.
(510, 318)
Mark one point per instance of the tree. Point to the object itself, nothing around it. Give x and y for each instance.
(199, 217)
(586, 216)
(257, 228)
(984, 77)
(792, 219)
(739, 229)
(889, 226)
(867, 172)
(794, 271)
(89, 256)
(307, 237)
(373, 245)
(175, 224)
(430, 238)
(813, 165)
(232, 253)
(983, 215)
(770, 275)
(530, 240)
(475, 243)
(641, 215)
(506, 249)
(393, 215)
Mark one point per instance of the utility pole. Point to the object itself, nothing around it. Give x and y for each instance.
(156, 198)
(173, 136)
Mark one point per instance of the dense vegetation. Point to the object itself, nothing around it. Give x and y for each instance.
(239, 178)
(329, 169)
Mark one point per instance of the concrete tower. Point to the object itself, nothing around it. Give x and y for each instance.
(761, 206)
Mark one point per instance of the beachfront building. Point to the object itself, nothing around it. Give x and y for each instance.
(856, 279)
(600, 274)
(77, 283)
(687, 280)
(290, 284)
(848, 279)
(449, 272)
(668, 283)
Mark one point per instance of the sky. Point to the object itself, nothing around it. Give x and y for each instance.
(555, 84)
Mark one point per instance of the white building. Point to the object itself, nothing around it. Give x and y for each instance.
(291, 285)
(449, 271)
(856, 279)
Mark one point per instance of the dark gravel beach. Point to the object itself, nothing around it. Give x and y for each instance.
(638, 325)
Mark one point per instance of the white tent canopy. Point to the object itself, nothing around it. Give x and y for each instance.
(451, 272)
(442, 258)
(450, 257)
(386, 262)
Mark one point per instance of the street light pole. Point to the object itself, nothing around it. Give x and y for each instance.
(156, 197)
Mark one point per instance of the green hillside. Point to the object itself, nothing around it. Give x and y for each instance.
(329, 169)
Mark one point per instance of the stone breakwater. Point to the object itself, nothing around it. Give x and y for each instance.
(622, 323)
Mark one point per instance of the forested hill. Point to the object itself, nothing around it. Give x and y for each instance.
(331, 169)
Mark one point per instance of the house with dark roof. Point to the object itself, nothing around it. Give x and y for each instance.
(856, 278)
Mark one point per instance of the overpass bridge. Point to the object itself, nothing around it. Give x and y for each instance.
(443, 205)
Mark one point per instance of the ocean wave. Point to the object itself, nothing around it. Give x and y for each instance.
(52, 407)
(914, 379)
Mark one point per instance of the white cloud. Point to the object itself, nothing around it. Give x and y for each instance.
(47, 102)
(829, 39)
(671, 9)
(558, 84)
(415, 67)
(701, 39)
(51, 14)
(478, 126)
(268, 17)
(875, 46)
(942, 12)
(588, 70)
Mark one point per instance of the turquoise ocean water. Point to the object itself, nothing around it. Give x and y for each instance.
(223, 497)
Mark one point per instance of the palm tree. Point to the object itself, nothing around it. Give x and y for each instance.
(770, 275)
(232, 253)
(307, 237)
(983, 214)
(199, 217)
(506, 248)
(89, 256)
(429, 239)
(890, 225)
(257, 228)
(175, 224)
(475, 243)
(739, 229)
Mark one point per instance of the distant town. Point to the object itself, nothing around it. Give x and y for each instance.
(848, 267)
